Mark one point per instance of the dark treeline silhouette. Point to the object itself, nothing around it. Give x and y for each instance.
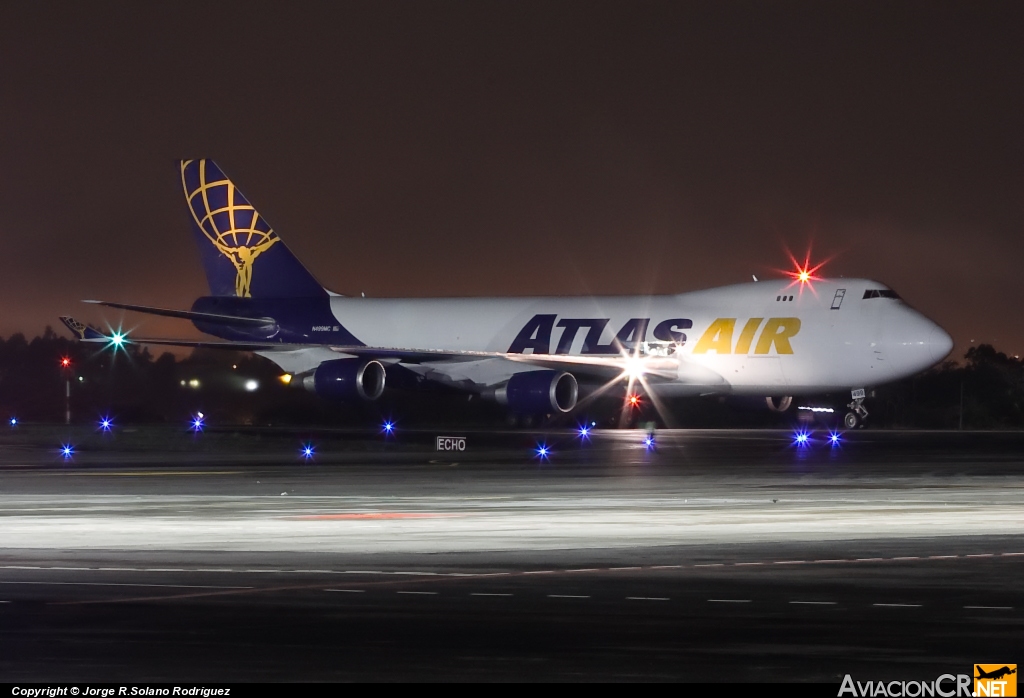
(986, 391)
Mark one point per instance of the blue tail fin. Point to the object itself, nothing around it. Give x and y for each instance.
(241, 253)
(82, 331)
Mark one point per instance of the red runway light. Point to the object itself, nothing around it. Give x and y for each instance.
(65, 362)
(634, 400)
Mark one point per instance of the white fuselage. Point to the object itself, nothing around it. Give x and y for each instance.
(744, 339)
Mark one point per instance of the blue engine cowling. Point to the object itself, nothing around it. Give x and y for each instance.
(347, 379)
(539, 392)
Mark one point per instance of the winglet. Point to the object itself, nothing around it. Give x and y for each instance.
(82, 331)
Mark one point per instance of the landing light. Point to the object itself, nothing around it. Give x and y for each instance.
(634, 368)
(251, 385)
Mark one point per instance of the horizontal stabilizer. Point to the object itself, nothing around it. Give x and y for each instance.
(190, 315)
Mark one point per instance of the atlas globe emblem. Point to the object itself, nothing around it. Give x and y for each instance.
(241, 244)
(243, 256)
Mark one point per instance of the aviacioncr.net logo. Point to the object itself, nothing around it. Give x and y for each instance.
(945, 686)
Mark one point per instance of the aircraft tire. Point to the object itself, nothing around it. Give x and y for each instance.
(851, 420)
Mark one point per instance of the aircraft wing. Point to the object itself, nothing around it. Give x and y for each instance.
(190, 315)
(598, 366)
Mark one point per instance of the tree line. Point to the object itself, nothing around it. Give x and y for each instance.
(983, 391)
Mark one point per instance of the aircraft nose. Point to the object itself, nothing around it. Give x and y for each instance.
(915, 343)
(939, 342)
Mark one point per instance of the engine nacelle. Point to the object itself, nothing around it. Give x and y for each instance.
(539, 392)
(347, 379)
(780, 404)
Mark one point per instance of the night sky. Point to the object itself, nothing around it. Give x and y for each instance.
(515, 148)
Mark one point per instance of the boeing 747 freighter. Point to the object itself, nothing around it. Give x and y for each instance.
(534, 355)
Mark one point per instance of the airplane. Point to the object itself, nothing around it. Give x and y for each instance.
(994, 674)
(538, 355)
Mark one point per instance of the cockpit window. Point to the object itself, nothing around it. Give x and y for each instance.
(880, 293)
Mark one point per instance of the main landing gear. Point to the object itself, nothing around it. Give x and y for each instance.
(858, 414)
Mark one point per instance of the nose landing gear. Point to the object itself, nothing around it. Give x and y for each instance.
(858, 414)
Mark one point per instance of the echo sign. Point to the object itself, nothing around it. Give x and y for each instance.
(451, 443)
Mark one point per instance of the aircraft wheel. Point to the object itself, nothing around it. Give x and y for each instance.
(851, 420)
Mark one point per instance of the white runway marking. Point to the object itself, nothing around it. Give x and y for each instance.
(567, 596)
(898, 605)
(481, 593)
(348, 591)
(815, 603)
(430, 573)
(647, 598)
(992, 608)
(418, 593)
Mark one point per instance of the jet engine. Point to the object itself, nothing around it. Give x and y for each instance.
(539, 392)
(347, 379)
(780, 404)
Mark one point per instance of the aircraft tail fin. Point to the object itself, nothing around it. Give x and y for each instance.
(241, 253)
(82, 331)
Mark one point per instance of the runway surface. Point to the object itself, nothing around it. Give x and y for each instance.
(713, 556)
